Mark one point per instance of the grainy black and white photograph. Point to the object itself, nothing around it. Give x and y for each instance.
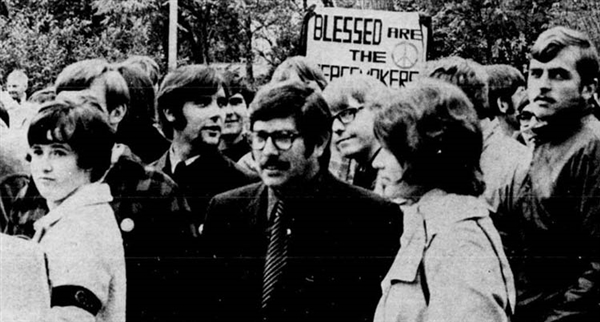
(299, 160)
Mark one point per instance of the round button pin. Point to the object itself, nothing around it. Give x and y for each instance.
(127, 225)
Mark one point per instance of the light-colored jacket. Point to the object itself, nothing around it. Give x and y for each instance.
(451, 265)
(84, 248)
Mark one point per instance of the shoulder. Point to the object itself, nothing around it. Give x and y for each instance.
(335, 189)
(239, 195)
(161, 163)
(130, 173)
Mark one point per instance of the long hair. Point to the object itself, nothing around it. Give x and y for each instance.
(191, 83)
(433, 131)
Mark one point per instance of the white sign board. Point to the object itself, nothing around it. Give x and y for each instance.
(388, 45)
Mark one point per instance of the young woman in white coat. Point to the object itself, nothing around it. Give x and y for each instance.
(70, 149)
(451, 265)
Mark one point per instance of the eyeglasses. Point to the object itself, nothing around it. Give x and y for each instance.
(525, 116)
(236, 100)
(282, 140)
(348, 114)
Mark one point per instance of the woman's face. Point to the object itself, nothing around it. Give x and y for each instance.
(55, 171)
(389, 173)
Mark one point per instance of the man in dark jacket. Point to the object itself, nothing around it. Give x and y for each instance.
(552, 232)
(301, 245)
(190, 102)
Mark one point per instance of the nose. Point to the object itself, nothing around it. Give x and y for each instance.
(544, 82)
(42, 162)
(378, 162)
(338, 126)
(227, 109)
(215, 112)
(270, 148)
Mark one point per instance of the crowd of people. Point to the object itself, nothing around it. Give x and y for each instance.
(471, 194)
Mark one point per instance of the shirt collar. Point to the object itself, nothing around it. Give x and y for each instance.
(174, 159)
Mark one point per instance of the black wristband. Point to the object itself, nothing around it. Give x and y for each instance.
(74, 295)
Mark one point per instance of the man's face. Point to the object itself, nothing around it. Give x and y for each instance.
(354, 136)
(555, 87)
(204, 120)
(15, 88)
(277, 166)
(236, 113)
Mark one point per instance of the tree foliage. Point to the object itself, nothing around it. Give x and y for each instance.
(43, 36)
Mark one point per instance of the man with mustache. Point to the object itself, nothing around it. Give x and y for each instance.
(301, 245)
(190, 102)
(553, 232)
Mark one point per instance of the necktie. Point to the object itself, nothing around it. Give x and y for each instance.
(276, 256)
(179, 173)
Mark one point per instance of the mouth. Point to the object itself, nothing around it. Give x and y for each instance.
(212, 129)
(46, 180)
(543, 101)
(342, 140)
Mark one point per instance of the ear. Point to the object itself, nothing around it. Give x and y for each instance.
(116, 115)
(502, 106)
(168, 115)
(589, 89)
(321, 146)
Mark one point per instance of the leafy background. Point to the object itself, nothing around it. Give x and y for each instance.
(44, 36)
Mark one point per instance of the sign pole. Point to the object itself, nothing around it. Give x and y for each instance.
(172, 35)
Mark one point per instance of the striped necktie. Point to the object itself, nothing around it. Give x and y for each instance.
(276, 257)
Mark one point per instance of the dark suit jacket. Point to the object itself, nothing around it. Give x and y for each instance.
(342, 242)
(210, 174)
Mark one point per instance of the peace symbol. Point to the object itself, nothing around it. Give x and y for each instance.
(405, 55)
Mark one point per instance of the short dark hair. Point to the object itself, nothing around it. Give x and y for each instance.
(432, 129)
(83, 127)
(141, 95)
(191, 83)
(300, 101)
(552, 41)
(301, 66)
(504, 81)
(468, 75)
(80, 76)
(239, 85)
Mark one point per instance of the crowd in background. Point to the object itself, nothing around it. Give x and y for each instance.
(471, 194)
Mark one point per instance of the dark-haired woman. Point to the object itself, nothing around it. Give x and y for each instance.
(451, 265)
(70, 148)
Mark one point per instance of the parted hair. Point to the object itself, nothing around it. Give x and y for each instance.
(191, 83)
(433, 131)
(552, 41)
(80, 123)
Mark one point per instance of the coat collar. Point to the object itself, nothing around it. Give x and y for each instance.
(86, 195)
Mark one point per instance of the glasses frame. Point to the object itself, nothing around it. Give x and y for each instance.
(349, 113)
(275, 137)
